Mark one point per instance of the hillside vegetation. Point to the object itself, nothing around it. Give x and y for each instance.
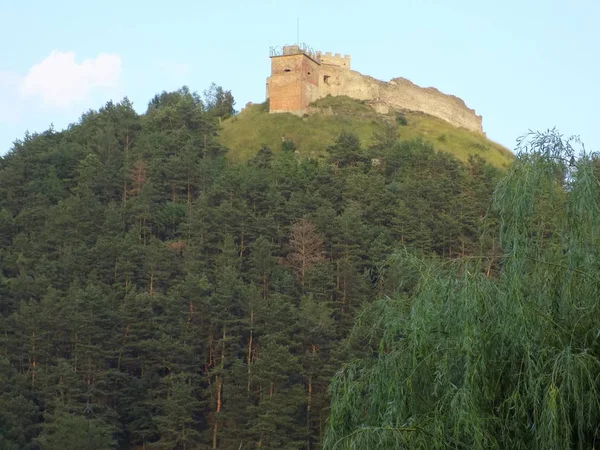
(473, 361)
(158, 293)
(254, 127)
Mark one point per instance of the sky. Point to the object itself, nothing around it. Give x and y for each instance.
(527, 64)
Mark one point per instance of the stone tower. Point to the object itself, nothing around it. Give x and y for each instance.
(294, 79)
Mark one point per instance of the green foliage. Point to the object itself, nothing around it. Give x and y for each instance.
(463, 359)
(346, 151)
(254, 127)
(288, 145)
(65, 431)
(192, 301)
(263, 158)
(19, 415)
(401, 120)
(176, 421)
(219, 102)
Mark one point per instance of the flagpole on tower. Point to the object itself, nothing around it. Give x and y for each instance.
(298, 31)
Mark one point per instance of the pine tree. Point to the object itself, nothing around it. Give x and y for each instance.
(66, 431)
(307, 248)
(176, 421)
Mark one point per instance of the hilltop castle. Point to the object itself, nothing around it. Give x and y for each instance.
(300, 76)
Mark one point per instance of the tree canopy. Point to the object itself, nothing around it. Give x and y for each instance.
(493, 350)
(155, 293)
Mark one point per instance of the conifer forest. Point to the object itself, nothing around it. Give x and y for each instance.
(158, 293)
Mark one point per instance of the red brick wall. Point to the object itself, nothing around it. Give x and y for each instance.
(292, 83)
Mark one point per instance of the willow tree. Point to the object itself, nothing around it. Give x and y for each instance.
(476, 358)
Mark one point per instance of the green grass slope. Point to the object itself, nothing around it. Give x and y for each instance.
(254, 127)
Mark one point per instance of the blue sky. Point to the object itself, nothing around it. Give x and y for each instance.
(527, 64)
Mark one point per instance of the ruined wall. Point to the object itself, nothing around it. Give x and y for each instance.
(400, 93)
(297, 80)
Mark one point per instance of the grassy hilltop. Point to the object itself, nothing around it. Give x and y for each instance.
(254, 127)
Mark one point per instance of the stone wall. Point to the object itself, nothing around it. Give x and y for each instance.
(297, 80)
(334, 60)
(401, 93)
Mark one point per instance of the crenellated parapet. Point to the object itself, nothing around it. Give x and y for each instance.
(334, 59)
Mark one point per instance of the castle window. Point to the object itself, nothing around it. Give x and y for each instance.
(326, 79)
(287, 70)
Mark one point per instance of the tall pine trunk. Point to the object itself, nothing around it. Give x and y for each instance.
(219, 390)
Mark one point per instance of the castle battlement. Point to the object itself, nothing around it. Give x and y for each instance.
(334, 59)
(299, 76)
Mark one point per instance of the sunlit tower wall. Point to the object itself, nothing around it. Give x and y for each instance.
(294, 79)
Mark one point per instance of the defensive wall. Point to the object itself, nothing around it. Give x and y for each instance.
(300, 76)
(334, 60)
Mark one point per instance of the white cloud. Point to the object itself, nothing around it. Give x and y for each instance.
(56, 84)
(61, 82)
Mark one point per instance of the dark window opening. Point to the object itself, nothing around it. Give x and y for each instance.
(326, 79)
(309, 73)
(287, 70)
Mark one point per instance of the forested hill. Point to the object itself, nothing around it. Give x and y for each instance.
(156, 294)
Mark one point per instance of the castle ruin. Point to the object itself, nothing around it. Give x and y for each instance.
(300, 76)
